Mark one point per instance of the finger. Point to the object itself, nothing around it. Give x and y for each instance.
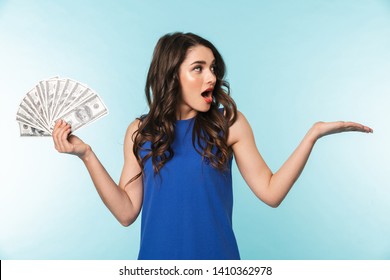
(368, 129)
(352, 126)
(56, 130)
(61, 140)
(365, 128)
(57, 123)
(65, 138)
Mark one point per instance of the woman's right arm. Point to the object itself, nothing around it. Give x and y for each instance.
(124, 203)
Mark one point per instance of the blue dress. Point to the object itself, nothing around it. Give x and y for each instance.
(187, 207)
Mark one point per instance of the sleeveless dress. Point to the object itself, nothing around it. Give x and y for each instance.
(187, 207)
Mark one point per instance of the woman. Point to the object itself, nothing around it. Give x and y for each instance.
(177, 158)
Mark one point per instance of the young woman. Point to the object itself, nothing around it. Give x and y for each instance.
(177, 158)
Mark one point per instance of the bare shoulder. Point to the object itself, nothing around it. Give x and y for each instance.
(129, 137)
(131, 167)
(133, 127)
(239, 129)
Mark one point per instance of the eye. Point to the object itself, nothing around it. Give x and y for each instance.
(213, 68)
(198, 68)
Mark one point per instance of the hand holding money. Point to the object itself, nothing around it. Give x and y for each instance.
(70, 144)
(55, 99)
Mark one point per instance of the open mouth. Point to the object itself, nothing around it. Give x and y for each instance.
(208, 95)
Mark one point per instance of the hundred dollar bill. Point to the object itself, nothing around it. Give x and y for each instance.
(26, 130)
(35, 102)
(65, 88)
(78, 95)
(42, 92)
(90, 110)
(53, 88)
(23, 117)
(39, 103)
(58, 98)
(26, 108)
(50, 88)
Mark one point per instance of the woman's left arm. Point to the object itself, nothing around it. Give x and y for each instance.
(273, 188)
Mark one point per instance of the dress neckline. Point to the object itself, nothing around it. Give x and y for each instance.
(186, 120)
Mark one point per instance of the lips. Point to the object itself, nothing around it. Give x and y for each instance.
(208, 95)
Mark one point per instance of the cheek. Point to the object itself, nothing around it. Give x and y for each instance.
(190, 83)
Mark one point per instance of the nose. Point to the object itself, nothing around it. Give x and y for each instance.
(211, 78)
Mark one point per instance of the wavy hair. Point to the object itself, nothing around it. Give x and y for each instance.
(162, 91)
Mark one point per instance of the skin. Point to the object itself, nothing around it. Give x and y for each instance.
(196, 75)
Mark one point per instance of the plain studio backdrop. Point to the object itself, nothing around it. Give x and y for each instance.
(290, 64)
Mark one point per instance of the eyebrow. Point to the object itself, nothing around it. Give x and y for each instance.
(202, 62)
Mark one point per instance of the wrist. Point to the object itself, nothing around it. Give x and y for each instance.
(87, 154)
(314, 133)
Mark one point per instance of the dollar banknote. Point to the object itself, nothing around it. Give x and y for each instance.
(26, 130)
(58, 98)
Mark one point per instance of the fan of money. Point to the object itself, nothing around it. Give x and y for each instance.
(58, 98)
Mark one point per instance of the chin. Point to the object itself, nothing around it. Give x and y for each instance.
(204, 109)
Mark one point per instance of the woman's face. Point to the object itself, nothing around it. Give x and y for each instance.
(197, 81)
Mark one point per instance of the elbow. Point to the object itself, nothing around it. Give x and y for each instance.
(127, 217)
(272, 203)
(126, 221)
(275, 204)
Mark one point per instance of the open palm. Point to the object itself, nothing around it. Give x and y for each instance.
(327, 128)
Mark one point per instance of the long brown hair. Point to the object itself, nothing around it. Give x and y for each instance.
(162, 91)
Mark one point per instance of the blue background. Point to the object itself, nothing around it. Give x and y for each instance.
(290, 64)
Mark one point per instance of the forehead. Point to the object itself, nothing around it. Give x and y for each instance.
(199, 53)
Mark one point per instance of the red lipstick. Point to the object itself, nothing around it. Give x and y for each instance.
(208, 95)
